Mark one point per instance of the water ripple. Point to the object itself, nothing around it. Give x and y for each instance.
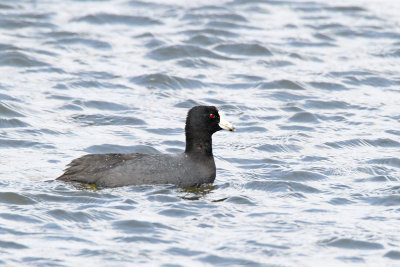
(347, 243)
(381, 142)
(15, 198)
(12, 123)
(67, 42)
(99, 119)
(183, 51)
(106, 18)
(281, 186)
(243, 49)
(19, 59)
(393, 254)
(280, 84)
(11, 245)
(164, 81)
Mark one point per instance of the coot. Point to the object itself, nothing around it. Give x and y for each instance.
(193, 168)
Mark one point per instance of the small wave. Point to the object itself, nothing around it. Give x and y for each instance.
(279, 148)
(101, 105)
(378, 179)
(99, 119)
(388, 201)
(394, 52)
(106, 18)
(285, 96)
(11, 245)
(187, 104)
(346, 9)
(178, 212)
(154, 43)
(311, 44)
(141, 239)
(204, 40)
(214, 16)
(248, 78)
(20, 218)
(21, 143)
(253, 129)
(297, 128)
(73, 216)
(7, 97)
(350, 73)
(371, 81)
(93, 84)
(7, 110)
(320, 104)
(163, 198)
(228, 25)
(4, 47)
(164, 81)
(136, 226)
(12, 123)
(304, 117)
(393, 254)
(165, 131)
(149, 5)
(68, 42)
(60, 34)
(327, 26)
(227, 261)
(244, 49)
(183, 251)
(328, 86)
(102, 75)
(393, 162)
(251, 162)
(281, 186)
(240, 200)
(314, 159)
(340, 201)
(4, 6)
(183, 51)
(236, 85)
(71, 107)
(211, 32)
(20, 22)
(367, 34)
(257, 2)
(280, 84)
(275, 63)
(196, 63)
(324, 37)
(301, 176)
(347, 243)
(15, 199)
(35, 15)
(19, 59)
(381, 142)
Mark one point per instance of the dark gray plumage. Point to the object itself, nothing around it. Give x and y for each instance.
(194, 167)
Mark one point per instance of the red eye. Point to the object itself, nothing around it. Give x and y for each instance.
(212, 116)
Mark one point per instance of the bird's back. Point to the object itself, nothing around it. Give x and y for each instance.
(111, 170)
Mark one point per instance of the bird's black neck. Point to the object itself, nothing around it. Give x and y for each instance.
(198, 144)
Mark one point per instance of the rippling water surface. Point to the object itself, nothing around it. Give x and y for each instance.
(311, 177)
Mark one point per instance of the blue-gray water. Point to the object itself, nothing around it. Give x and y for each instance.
(310, 178)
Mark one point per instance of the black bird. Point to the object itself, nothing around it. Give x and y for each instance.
(192, 168)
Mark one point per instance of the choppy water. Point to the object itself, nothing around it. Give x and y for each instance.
(311, 177)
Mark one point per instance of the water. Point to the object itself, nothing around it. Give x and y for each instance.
(310, 178)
